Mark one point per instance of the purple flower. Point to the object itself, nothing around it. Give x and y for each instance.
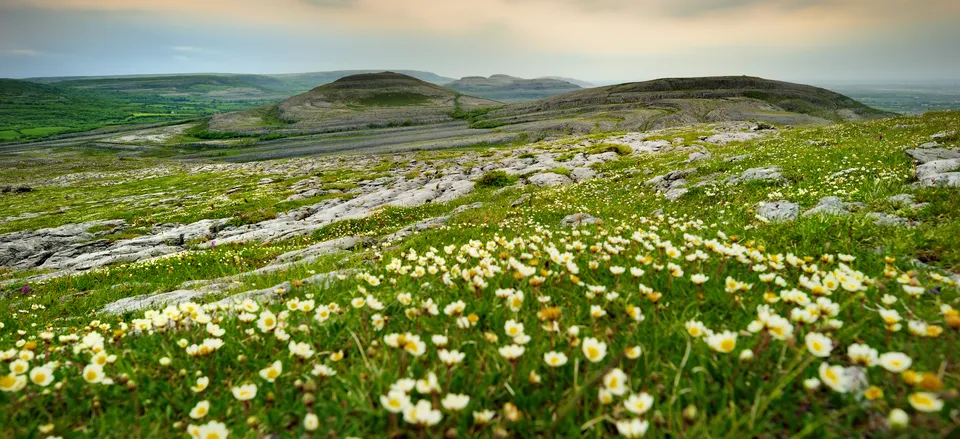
(25, 289)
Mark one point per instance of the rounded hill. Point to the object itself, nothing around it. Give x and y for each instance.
(358, 101)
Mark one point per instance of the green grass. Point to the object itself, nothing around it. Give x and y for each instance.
(497, 247)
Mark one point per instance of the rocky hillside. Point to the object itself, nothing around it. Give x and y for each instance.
(680, 101)
(361, 101)
(505, 88)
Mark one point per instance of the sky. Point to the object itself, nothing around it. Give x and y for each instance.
(602, 41)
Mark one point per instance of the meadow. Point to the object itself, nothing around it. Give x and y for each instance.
(646, 317)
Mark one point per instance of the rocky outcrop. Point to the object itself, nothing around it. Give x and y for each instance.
(549, 179)
(31, 249)
(767, 174)
(833, 206)
(579, 219)
(778, 211)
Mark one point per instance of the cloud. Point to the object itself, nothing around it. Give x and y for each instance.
(583, 27)
(186, 49)
(24, 52)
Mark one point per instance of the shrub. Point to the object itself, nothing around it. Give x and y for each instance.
(496, 179)
(611, 147)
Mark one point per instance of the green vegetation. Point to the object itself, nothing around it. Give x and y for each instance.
(610, 147)
(496, 179)
(33, 111)
(695, 317)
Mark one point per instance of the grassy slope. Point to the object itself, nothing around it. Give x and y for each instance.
(31, 111)
(734, 399)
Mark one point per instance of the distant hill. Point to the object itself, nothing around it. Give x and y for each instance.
(505, 88)
(224, 86)
(358, 101)
(29, 110)
(681, 101)
(583, 84)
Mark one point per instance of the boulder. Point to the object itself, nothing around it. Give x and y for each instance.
(778, 211)
(833, 206)
(549, 179)
(885, 219)
(928, 155)
(579, 219)
(767, 174)
(582, 174)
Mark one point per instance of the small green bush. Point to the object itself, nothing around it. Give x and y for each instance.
(610, 147)
(496, 179)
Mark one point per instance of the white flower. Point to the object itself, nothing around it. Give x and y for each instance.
(511, 352)
(895, 362)
(213, 429)
(925, 402)
(245, 392)
(863, 355)
(454, 402)
(555, 359)
(594, 350)
(302, 350)
(311, 422)
(451, 358)
(200, 410)
(395, 401)
(638, 404)
(422, 414)
(834, 377)
(811, 383)
(616, 382)
(634, 428)
(898, 419)
(482, 417)
(818, 344)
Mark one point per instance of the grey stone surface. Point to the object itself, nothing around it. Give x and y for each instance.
(833, 206)
(928, 155)
(582, 174)
(724, 138)
(520, 201)
(549, 179)
(767, 174)
(778, 211)
(579, 219)
(939, 173)
(885, 219)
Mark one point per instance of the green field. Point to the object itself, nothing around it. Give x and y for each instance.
(697, 317)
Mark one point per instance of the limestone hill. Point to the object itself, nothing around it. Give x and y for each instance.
(681, 101)
(505, 88)
(366, 100)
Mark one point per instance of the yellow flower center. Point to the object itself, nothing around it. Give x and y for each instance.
(7, 382)
(727, 345)
(593, 352)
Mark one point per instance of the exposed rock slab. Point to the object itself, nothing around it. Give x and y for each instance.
(549, 179)
(778, 211)
(833, 206)
(579, 219)
(767, 174)
(927, 155)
